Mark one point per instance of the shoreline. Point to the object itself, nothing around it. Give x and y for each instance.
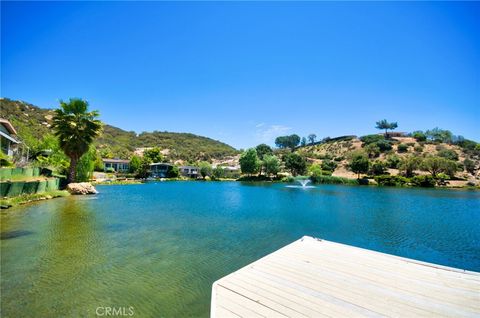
(351, 183)
(6, 203)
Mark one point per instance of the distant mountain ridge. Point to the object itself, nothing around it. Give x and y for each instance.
(33, 122)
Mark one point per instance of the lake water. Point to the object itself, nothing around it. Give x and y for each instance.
(158, 247)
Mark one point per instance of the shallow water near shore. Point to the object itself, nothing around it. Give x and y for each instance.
(158, 247)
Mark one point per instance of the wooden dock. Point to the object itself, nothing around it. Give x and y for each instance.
(318, 278)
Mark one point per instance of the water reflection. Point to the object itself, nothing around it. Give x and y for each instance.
(70, 252)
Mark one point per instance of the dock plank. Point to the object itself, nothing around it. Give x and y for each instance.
(318, 278)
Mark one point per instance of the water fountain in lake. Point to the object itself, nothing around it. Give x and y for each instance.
(303, 184)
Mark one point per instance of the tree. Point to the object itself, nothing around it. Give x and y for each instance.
(315, 170)
(218, 173)
(135, 163)
(408, 165)
(303, 143)
(290, 141)
(76, 129)
(271, 164)
(469, 165)
(263, 150)
(359, 162)
(173, 172)
(249, 162)
(153, 155)
(384, 124)
(439, 135)
(378, 168)
(86, 165)
(295, 163)
(144, 169)
(205, 169)
(311, 138)
(53, 158)
(419, 135)
(436, 165)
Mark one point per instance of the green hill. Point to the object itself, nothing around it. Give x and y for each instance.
(33, 123)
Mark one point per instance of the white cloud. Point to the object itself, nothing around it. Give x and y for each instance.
(267, 133)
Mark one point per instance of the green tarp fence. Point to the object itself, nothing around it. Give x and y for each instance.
(16, 188)
(4, 186)
(8, 173)
(42, 186)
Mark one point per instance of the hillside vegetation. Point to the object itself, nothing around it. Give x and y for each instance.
(396, 156)
(34, 123)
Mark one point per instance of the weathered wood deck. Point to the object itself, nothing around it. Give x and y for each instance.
(318, 278)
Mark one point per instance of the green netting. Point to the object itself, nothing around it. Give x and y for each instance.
(17, 172)
(4, 186)
(52, 184)
(36, 172)
(42, 186)
(5, 173)
(30, 187)
(27, 172)
(16, 188)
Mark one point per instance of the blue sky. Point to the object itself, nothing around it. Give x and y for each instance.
(247, 72)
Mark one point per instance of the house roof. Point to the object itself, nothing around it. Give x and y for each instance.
(9, 137)
(161, 164)
(115, 160)
(188, 167)
(8, 125)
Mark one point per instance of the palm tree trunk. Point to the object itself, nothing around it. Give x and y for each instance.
(72, 170)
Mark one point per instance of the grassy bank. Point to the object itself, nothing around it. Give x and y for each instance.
(26, 198)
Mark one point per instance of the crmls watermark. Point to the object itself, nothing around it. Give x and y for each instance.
(115, 311)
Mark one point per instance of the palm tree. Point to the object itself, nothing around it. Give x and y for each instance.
(76, 128)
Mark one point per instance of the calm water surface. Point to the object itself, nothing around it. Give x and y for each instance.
(158, 247)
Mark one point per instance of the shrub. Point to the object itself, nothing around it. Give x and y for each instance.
(363, 181)
(419, 135)
(448, 154)
(393, 161)
(424, 181)
(372, 150)
(370, 139)
(469, 165)
(328, 165)
(285, 179)
(418, 148)
(321, 179)
(392, 181)
(442, 179)
(402, 148)
(5, 161)
(378, 168)
(338, 159)
(384, 145)
(110, 169)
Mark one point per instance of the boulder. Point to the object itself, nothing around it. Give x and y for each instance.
(81, 188)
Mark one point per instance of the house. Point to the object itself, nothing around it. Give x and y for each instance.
(189, 171)
(8, 137)
(160, 169)
(119, 165)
